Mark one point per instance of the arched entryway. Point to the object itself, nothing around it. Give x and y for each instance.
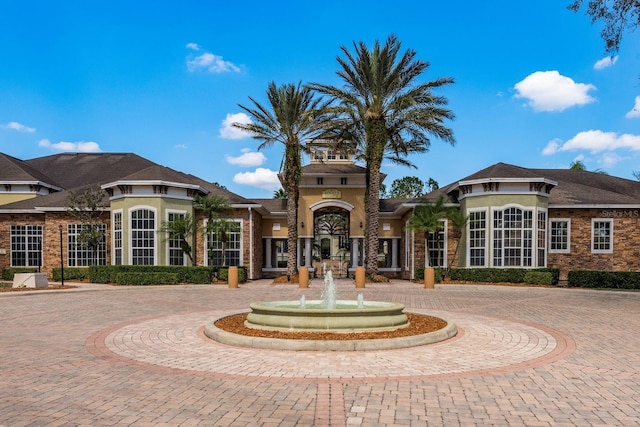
(331, 247)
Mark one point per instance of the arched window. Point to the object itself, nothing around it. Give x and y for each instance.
(513, 237)
(143, 237)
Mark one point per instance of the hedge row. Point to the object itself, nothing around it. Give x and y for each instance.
(495, 275)
(604, 279)
(149, 278)
(108, 273)
(222, 274)
(70, 273)
(8, 273)
(538, 276)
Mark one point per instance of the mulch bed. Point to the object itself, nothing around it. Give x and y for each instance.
(418, 324)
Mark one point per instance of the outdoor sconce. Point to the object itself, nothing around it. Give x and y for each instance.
(360, 224)
(302, 224)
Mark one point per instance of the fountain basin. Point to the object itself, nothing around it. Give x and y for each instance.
(346, 317)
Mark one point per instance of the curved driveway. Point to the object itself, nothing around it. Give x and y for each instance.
(103, 355)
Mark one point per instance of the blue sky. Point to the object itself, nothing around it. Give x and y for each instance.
(533, 84)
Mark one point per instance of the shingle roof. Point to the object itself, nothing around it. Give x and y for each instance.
(333, 168)
(73, 170)
(574, 187)
(12, 169)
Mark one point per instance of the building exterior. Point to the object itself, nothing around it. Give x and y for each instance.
(518, 217)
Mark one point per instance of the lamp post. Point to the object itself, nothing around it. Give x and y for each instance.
(61, 257)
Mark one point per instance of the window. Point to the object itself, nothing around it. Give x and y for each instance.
(143, 237)
(331, 155)
(319, 181)
(513, 238)
(282, 253)
(318, 155)
(559, 235)
(542, 239)
(477, 238)
(435, 248)
(343, 181)
(26, 245)
(82, 255)
(117, 238)
(175, 254)
(225, 244)
(343, 156)
(602, 236)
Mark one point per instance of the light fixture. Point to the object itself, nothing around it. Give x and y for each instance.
(360, 224)
(302, 224)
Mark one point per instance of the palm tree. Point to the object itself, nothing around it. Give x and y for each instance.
(458, 221)
(280, 194)
(180, 228)
(385, 113)
(217, 210)
(292, 119)
(427, 219)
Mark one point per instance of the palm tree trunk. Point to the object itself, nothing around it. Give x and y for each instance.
(376, 140)
(292, 178)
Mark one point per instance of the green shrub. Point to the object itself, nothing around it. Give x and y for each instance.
(223, 273)
(185, 274)
(146, 278)
(604, 279)
(419, 274)
(496, 275)
(8, 273)
(538, 278)
(70, 273)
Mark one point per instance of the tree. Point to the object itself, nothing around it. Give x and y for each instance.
(432, 185)
(280, 194)
(383, 112)
(578, 165)
(87, 206)
(217, 211)
(292, 118)
(180, 228)
(409, 187)
(618, 16)
(428, 220)
(458, 221)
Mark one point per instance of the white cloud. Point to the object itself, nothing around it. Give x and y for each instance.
(552, 147)
(605, 62)
(597, 141)
(551, 91)
(261, 178)
(227, 131)
(635, 111)
(211, 63)
(180, 146)
(76, 147)
(18, 127)
(248, 158)
(193, 46)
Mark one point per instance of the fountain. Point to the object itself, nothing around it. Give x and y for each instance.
(329, 314)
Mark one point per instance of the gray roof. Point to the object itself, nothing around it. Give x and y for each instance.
(575, 187)
(16, 170)
(333, 168)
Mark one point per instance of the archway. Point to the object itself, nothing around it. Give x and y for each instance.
(331, 248)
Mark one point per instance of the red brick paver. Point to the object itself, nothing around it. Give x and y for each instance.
(136, 356)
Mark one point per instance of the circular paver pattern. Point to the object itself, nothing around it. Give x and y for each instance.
(483, 345)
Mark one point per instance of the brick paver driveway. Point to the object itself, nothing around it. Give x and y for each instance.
(137, 356)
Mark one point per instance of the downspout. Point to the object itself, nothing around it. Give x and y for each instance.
(250, 243)
(413, 250)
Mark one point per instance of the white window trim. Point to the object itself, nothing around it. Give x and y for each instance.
(167, 248)
(488, 234)
(113, 235)
(206, 240)
(600, 251)
(549, 232)
(130, 234)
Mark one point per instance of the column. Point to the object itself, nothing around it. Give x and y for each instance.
(267, 253)
(394, 252)
(307, 252)
(299, 249)
(355, 253)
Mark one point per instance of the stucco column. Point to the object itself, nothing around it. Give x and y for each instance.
(394, 252)
(307, 252)
(355, 252)
(299, 249)
(267, 252)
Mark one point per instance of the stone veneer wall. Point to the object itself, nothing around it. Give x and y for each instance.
(626, 241)
(50, 223)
